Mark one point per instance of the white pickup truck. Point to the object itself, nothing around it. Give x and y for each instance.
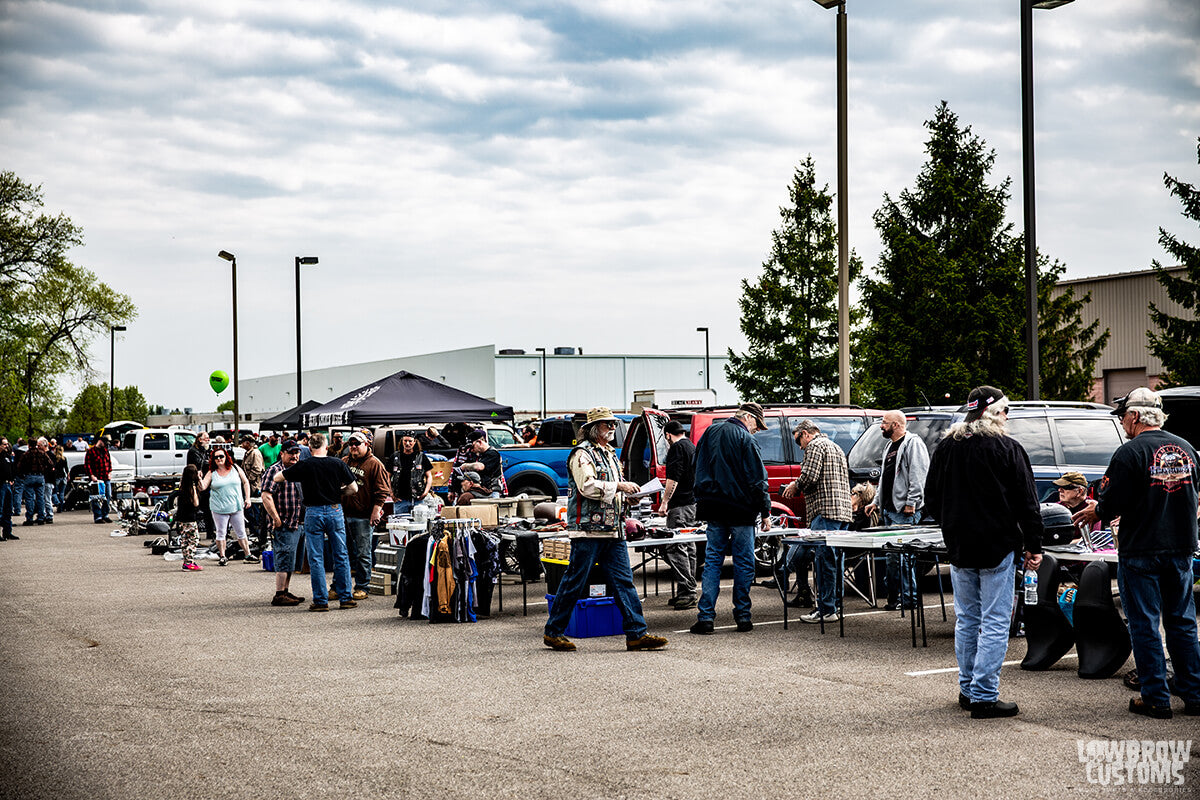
(147, 454)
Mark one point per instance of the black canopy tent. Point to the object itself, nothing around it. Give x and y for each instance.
(288, 419)
(405, 398)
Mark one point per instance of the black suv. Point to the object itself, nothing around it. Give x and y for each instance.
(1058, 436)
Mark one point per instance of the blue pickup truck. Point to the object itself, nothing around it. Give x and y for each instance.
(541, 469)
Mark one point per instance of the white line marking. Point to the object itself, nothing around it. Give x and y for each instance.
(923, 672)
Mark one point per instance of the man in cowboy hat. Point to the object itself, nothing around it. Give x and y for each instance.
(1151, 484)
(980, 488)
(595, 506)
(731, 490)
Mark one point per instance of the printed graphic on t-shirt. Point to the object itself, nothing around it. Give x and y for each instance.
(1171, 469)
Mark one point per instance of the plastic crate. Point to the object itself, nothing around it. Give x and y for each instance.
(555, 568)
(268, 560)
(593, 616)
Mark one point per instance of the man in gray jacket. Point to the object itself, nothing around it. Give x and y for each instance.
(900, 498)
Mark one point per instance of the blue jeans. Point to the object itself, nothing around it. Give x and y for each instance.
(739, 541)
(983, 604)
(99, 501)
(320, 521)
(6, 509)
(613, 556)
(828, 566)
(901, 583)
(1154, 586)
(48, 498)
(60, 492)
(35, 497)
(402, 507)
(358, 540)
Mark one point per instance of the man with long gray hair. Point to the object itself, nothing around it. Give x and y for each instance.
(981, 490)
(1151, 484)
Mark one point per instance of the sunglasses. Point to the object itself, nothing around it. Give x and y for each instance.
(218, 458)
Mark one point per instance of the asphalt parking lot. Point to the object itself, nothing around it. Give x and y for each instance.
(126, 677)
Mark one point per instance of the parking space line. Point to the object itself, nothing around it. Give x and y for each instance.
(943, 671)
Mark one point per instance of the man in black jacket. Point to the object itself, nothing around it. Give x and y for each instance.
(980, 488)
(8, 473)
(1151, 484)
(731, 490)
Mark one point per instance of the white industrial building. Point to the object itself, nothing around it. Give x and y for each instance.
(573, 381)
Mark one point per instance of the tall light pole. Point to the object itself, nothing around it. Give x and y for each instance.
(1032, 367)
(30, 357)
(306, 260)
(843, 208)
(542, 350)
(232, 259)
(112, 365)
(707, 382)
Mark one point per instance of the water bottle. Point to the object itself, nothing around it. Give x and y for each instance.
(1031, 597)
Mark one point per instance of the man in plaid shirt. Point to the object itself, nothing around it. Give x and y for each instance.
(825, 481)
(284, 503)
(98, 464)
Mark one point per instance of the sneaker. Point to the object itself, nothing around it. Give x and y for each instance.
(283, 600)
(359, 594)
(684, 603)
(997, 709)
(252, 559)
(892, 606)
(646, 642)
(192, 567)
(222, 561)
(744, 626)
(1138, 705)
(347, 604)
(815, 617)
(703, 627)
(106, 520)
(560, 643)
(318, 606)
(12, 537)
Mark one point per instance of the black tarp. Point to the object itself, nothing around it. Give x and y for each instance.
(289, 419)
(405, 398)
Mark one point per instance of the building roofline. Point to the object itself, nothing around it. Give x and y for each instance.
(1137, 273)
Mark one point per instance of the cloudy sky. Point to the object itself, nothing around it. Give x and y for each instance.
(469, 172)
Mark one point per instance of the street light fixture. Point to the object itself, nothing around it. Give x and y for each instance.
(707, 382)
(843, 207)
(1032, 368)
(306, 260)
(542, 350)
(232, 259)
(112, 364)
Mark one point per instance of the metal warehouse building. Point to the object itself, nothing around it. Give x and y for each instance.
(573, 381)
(1122, 304)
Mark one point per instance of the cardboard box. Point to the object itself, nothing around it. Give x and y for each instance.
(486, 514)
(450, 512)
(441, 472)
(381, 583)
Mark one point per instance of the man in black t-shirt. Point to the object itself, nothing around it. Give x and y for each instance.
(680, 505)
(324, 480)
(486, 463)
(1151, 484)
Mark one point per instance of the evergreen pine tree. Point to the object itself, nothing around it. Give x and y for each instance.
(1177, 342)
(789, 314)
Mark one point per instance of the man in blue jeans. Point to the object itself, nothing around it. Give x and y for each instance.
(1151, 484)
(981, 490)
(595, 507)
(8, 473)
(825, 481)
(900, 499)
(730, 490)
(324, 480)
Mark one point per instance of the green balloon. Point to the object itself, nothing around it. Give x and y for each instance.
(219, 381)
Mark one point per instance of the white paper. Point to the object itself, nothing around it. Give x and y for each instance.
(653, 486)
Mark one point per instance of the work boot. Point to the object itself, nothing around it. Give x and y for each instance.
(559, 643)
(646, 642)
(995, 709)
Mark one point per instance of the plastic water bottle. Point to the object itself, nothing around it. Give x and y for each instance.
(1031, 597)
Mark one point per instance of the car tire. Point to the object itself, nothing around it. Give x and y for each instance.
(532, 484)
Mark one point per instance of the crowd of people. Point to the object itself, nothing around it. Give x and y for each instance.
(322, 498)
